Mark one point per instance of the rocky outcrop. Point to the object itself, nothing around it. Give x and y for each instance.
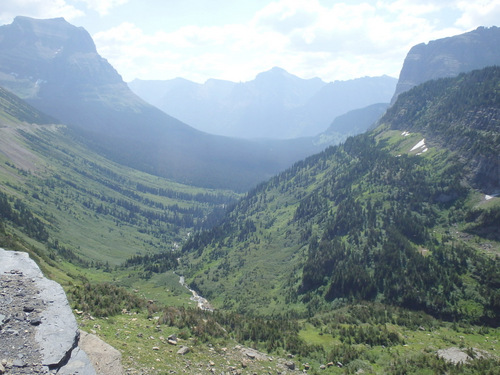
(38, 330)
(46, 55)
(449, 57)
(460, 356)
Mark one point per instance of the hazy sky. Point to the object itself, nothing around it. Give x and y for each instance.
(236, 39)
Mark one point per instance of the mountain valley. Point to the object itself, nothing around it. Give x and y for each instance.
(372, 247)
(55, 67)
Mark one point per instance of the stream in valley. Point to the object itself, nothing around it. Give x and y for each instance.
(202, 302)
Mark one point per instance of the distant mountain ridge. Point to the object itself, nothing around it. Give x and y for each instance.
(447, 57)
(276, 104)
(55, 67)
(352, 123)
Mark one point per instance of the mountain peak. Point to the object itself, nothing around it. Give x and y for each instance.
(24, 20)
(275, 72)
(36, 51)
(41, 27)
(45, 39)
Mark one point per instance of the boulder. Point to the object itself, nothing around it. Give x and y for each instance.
(457, 356)
(250, 354)
(183, 350)
(290, 365)
(105, 359)
(172, 339)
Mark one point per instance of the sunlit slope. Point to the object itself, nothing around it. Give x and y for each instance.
(81, 206)
(404, 215)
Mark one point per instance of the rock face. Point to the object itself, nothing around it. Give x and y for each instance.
(37, 321)
(448, 57)
(53, 64)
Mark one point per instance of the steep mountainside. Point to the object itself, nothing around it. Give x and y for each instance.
(78, 206)
(448, 57)
(55, 67)
(276, 104)
(14, 110)
(404, 215)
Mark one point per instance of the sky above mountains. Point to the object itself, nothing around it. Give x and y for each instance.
(235, 40)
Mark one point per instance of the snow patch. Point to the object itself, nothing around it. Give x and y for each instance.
(420, 144)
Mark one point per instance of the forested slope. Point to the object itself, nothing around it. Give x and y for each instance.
(398, 215)
(66, 203)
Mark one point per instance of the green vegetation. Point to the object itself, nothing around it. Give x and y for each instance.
(370, 336)
(15, 110)
(368, 256)
(81, 216)
(370, 220)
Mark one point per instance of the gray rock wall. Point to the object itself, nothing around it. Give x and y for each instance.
(449, 57)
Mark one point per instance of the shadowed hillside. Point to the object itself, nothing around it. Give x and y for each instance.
(55, 67)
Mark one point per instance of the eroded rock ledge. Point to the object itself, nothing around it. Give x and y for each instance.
(38, 332)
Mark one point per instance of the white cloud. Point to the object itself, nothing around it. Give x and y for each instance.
(354, 38)
(412, 7)
(340, 41)
(284, 17)
(331, 39)
(37, 9)
(192, 52)
(479, 12)
(103, 6)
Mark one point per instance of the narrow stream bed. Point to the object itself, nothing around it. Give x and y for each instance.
(202, 302)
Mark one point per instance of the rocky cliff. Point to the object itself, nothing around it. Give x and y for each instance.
(448, 57)
(38, 332)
